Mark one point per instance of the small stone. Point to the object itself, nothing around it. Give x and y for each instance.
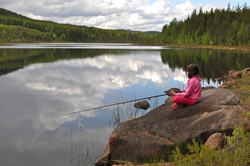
(230, 72)
(215, 141)
(246, 70)
(142, 105)
(234, 74)
(222, 86)
(231, 82)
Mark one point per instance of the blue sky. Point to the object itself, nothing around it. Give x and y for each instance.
(196, 2)
(143, 15)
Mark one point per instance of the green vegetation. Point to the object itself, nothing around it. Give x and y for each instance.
(215, 27)
(236, 153)
(20, 34)
(24, 29)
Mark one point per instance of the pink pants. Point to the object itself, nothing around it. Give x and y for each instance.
(183, 100)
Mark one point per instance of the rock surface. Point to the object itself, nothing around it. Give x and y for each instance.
(157, 131)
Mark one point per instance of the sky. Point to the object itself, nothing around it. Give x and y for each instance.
(142, 15)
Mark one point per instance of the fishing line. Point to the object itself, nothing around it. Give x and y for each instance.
(116, 104)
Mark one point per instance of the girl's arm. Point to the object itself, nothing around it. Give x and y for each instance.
(189, 90)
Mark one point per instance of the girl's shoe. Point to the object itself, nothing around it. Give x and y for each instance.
(176, 106)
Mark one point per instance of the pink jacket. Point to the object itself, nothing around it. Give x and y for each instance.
(193, 90)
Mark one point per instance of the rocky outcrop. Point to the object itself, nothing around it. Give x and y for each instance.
(157, 132)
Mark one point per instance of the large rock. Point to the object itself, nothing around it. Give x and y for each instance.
(157, 131)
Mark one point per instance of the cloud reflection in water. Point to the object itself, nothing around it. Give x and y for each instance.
(34, 98)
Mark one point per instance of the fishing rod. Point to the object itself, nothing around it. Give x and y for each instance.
(166, 93)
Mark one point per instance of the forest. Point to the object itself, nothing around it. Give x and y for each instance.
(17, 28)
(230, 27)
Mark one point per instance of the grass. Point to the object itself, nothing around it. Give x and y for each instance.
(81, 156)
(118, 114)
(121, 113)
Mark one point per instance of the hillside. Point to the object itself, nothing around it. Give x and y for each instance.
(48, 31)
(21, 34)
(7, 13)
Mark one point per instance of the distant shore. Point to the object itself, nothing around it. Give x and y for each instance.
(211, 47)
(215, 47)
(4, 44)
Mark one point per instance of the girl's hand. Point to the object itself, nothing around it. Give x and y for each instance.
(182, 90)
(172, 93)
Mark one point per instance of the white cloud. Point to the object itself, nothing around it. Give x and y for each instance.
(181, 77)
(43, 87)
(108, 14)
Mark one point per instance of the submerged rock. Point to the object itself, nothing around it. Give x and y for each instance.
(157, 131)
(142, 105)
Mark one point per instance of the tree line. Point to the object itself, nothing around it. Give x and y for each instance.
(230, 26)
(48, 31)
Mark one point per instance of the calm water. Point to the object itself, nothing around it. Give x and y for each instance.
(41, 82)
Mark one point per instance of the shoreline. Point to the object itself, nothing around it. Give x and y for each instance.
(245, 49)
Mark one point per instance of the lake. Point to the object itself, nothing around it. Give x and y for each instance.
(41, 82)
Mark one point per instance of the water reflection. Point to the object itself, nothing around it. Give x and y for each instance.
(33, 98)
(213, 64)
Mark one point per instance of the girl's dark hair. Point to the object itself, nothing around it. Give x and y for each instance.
(193, 70)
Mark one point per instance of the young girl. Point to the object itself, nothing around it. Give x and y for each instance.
(192, 94)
